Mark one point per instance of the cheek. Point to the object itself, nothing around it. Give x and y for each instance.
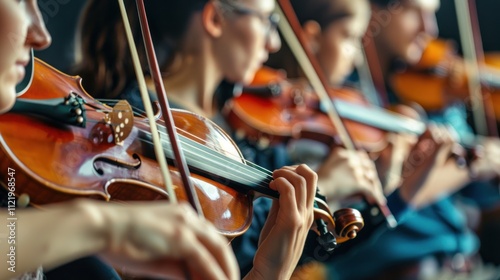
(13, 31)
(245, 54)
(252, 60)
(349, 51)
(336, 60)
(7, 90)
(407, 28)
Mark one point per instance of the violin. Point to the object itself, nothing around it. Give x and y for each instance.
(440, 77)
(492, 61)
(274, 110)
(72, 146)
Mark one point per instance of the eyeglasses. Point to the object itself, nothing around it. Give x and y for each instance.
(271, 21)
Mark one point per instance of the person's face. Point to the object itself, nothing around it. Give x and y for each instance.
(248, 38)
(405, 27)
(22, 28)
(339, 44)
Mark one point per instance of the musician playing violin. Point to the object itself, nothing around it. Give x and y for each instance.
(68, 231)
(436, 239)
(145, 238)
(65, 232)
(199, 43)
(333, 32)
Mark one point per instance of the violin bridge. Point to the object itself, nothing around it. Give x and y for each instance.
(121, 119)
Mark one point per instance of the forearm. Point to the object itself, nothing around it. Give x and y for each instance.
(253, 275)
(273, 270)
(51, 237)
(447, 179)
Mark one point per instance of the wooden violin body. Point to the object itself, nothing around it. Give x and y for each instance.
(493, 61)
(275, 110)
(83, 148)
(56, 162)
(440, 77)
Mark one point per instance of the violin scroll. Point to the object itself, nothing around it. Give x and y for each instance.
(338, 228)
(349, 222)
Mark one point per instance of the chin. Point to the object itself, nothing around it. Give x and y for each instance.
(413, 55)
(338, 79)
(244, 79)
(6, 103)
(234, 76)
(7, 93)
(248, 79)
(412, 60)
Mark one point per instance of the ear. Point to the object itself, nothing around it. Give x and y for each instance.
(212, 19)
(312, 34)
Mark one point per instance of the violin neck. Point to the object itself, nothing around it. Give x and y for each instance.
(202, 160)
(379, 118)
(490, 77)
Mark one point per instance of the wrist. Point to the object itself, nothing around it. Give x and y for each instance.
(257, 274)
(92, 214)
(472, 172)
(253, 275)
(472, 165)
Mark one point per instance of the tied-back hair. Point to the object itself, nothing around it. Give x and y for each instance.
(103, 57)
(324, 12)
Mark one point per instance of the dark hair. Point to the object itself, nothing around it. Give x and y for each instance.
(104, 57)
(383, 3)
(324, 12)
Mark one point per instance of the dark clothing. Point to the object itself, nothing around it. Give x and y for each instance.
(83, 269)
(277, 156)
(439, 230)
(244, 246)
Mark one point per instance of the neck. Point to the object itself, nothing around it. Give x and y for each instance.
(379, 65)
(192, 84)
(385, 62)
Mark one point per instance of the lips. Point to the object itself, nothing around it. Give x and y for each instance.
(20, 69)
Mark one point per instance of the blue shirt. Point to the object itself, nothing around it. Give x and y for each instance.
(277, 156)
(439, 229)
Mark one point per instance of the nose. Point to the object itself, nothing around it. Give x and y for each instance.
(38, 36)
(273, 42)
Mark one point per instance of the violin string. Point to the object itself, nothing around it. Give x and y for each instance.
(225, 154)
(138, 111)
(217, 161)
(232, 154)
(251, 170)
(256, 169)
(217, 158)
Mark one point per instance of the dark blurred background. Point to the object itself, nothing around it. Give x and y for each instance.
(489, 22)
(61, 17)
